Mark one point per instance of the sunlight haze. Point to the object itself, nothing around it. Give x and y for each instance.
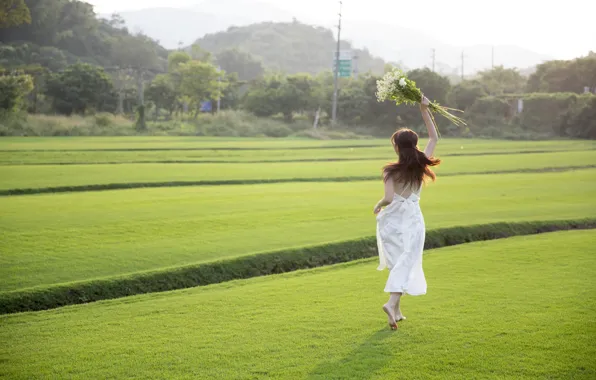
(562, 32)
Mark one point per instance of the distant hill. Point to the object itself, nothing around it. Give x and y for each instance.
(391, 42)
(64, 32)
(172, 26)
(289, 47)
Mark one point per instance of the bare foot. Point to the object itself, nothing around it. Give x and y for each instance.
(399, 318)
(390, 317)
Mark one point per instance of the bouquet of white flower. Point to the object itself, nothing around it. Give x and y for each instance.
(397, 87)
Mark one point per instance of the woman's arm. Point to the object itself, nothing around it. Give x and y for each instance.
(387, 198)
(433, 137)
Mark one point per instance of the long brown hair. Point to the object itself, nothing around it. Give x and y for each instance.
(413, 167)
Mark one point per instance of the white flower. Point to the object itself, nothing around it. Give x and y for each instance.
(402, 82)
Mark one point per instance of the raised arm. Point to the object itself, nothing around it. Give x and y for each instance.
(433, 137)
(387, 198)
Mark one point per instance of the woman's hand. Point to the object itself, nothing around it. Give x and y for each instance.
(377, 209)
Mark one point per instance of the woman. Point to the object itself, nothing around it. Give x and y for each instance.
(400, 225)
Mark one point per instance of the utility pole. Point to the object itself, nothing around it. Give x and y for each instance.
(355, 61)
(336, 73)
(492, 57)
(462, 65)
(434, 55)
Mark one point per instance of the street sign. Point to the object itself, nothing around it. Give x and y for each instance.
(345, 63)
(206, 106)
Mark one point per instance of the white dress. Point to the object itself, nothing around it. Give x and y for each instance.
(400, 240)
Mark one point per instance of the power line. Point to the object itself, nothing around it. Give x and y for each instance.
(434, 56)
(462, 65)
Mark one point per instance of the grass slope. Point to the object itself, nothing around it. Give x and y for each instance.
(519, 308)
(39, 177)
(53, 239)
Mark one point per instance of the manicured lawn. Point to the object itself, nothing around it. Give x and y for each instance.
(521, 308)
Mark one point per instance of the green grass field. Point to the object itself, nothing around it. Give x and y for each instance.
(521, 308)
(59, 238)
(19, 176)
(515, 308)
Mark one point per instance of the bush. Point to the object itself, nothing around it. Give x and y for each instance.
(103, 119)
(225, 123)
(43, 298)
(543, 116)
(489, 112)
(547, 113)
(581, 121)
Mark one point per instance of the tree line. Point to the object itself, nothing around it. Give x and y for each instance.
(123, 73)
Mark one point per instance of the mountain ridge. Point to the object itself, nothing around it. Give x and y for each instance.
(175, 27)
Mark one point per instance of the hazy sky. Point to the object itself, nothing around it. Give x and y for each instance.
(564, 30)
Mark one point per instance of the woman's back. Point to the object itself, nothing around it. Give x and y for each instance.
(405, 190)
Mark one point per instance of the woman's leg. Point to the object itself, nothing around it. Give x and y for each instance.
(398, 315)
(389, 309)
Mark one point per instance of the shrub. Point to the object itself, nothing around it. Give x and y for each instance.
(103, 119)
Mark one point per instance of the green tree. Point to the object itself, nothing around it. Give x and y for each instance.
(434, 86)
(564, 76)
(80, 88)
(500, 80)
(197, 53)
(464, 94)
(244, 64)
(231, 93)
(261, 97)
(13, 90)
(278, 94)
(14, 13)
(296, 95)
(199, 82)
(176, 58)
(133, 56)
(353, 102)
(161, 91)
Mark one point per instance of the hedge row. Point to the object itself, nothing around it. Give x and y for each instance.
(466, 154)
(256, 265)
(221, 148)
(139, 185)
